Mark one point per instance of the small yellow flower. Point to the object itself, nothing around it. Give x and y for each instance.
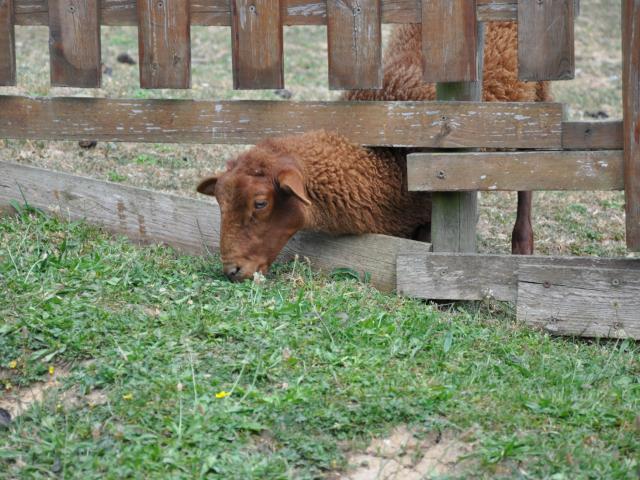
(128, 396)
(52, 370)
(13, 364)
(222, 394)
(179, 386)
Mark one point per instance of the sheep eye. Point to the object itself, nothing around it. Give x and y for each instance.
(260, 204)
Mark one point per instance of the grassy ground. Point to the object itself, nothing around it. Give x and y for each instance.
(140, 340)
(308, 368)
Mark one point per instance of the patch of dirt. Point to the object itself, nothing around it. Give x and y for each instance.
(404, 456)
(19, 400)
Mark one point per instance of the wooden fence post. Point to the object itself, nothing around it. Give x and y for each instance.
(455, 214)
(631, 106)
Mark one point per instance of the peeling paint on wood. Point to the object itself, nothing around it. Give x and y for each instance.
(295, 12)
(410, 124)
(516, 171)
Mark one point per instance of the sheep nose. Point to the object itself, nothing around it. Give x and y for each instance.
(232, 272)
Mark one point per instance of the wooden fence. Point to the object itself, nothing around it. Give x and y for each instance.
(552, 154)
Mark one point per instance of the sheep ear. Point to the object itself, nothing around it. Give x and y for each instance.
(290, 180)
(208, 186)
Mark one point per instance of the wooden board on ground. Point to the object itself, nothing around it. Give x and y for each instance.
(511, 171)
(164, 43)
(187, 224)
(476, 277)
(295, 12)
(578, 301)
(592, 135)
(631, 107)
(74, 43)
(354, 44)
(256, 44)
(7, 44)
(449, 41)
(545, 40)
(419, 124)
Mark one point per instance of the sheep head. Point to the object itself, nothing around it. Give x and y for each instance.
(263, 203)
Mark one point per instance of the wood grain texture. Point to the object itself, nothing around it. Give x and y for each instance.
(516, 171)
(256, 44)
(418, 124)
(164, 43)
(189, 225)
(354, 44)
(454, 216)
(631, 107)
(545, 40)
(74, 43)
(7, 44)
(578, 301)
(440, 276)
(449, 41)
(295, 12)
(592, 135)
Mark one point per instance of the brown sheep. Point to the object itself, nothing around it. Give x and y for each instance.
(320, 181)
(317, 181)
(403, 82)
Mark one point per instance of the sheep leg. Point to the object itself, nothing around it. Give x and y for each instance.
(522, 236)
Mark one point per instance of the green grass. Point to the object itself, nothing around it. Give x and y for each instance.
(315, 366)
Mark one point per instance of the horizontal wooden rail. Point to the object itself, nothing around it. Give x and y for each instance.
(414, 124)
(188, 224)
(592, 135)
(296, 12)
(444, 276)
(512, 171)
(584, 296)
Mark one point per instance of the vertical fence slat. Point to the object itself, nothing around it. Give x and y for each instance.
(545, 40)
(164, 43)
(256, 44)
(7, 44)
(74, 43)
(631, 105)
(454, 215)
(449, 40)
(354, 41)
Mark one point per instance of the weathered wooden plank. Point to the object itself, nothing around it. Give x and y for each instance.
(7, 44)
(512, 171)
(592, 136)
(354, 44)
(295, 12)
(578, 301)
(475, 277)
(545, 40)
(417, 124)
(631, 107)
(449, 40)
(256, 44)
(74, 43)
(164, 43)
(187, 224)
(454, 216)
